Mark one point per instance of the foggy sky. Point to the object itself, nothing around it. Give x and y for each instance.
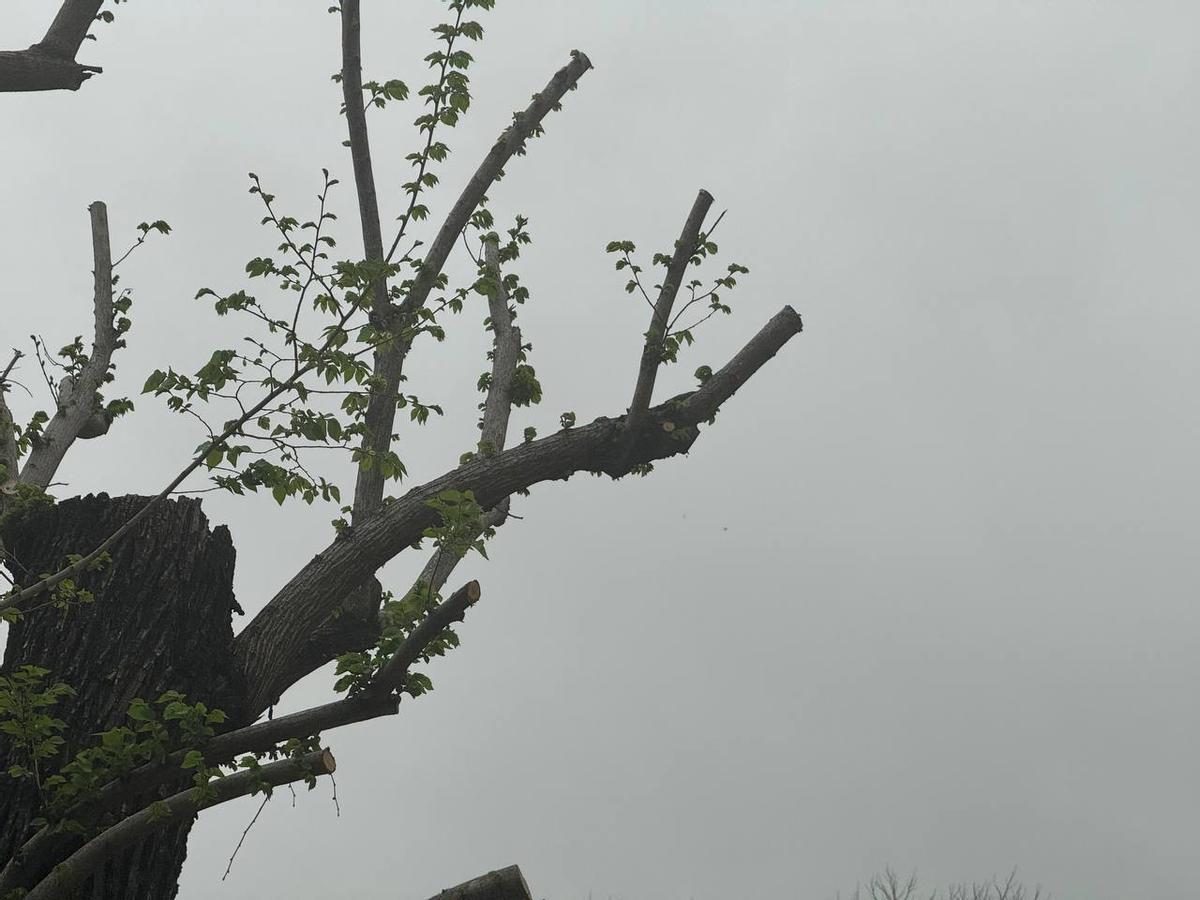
(923, 596)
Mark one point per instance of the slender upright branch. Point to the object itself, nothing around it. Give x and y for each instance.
(368, 493)
(506, 353)
(49, 65)
(685, 248)
(84, 862)
(77, 398)
(8, 437)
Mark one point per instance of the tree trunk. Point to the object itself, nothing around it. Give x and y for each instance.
(161, 620)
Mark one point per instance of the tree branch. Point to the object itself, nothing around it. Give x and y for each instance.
(280, 630)
(368, 492)
(8, 438)
(80, 865)
(390, 361)
(506, 353)
(77, 399)
(49, 65)
(685, 247)
(453, 609)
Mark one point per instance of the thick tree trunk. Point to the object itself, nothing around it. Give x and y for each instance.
(161, 620)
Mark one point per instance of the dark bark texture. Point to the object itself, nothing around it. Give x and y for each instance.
(161, 621)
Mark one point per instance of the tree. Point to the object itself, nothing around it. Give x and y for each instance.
(120, 607)
(892, 886)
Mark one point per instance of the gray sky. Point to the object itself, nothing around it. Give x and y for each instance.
(924, 596)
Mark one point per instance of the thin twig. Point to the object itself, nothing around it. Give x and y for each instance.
(246, 831)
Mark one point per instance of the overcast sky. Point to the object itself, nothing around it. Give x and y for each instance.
(926, 593)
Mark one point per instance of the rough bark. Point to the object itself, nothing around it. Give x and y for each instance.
(161, 621)
(49, 65)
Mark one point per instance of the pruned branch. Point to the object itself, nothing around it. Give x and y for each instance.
(8, 438)
(506, 353)
(279, 631)
(497, 407)
(80, 865)
(77, 396)
(49, 65)
(391, 677)
(685, 248)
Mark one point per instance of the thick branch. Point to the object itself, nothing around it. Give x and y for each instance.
(281, 629)
(389, 362)
(685, 247)
(49, 65)
(77, 399)
(72, 873)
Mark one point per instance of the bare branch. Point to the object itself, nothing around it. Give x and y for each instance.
(685, 248)
(49, 65)
(81, 864)
(77, 398)
(281, 629)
